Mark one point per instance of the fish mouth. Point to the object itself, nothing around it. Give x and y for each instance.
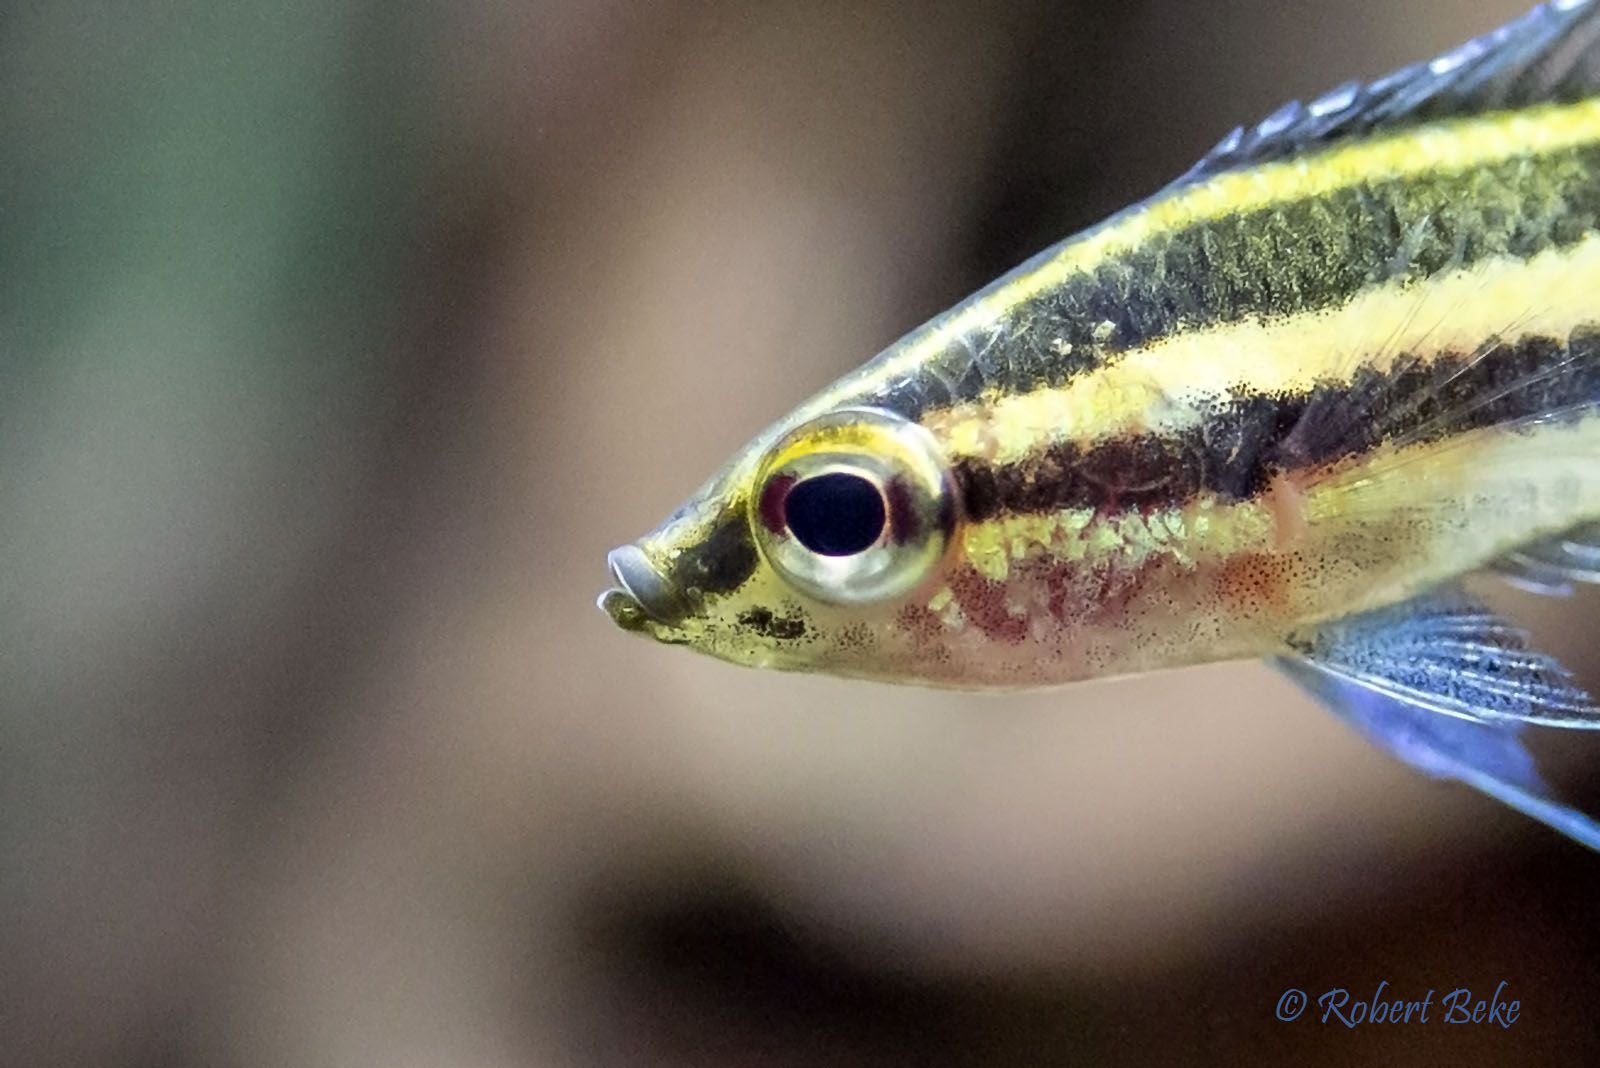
(642, 594)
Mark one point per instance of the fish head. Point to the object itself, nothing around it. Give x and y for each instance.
(804, 552)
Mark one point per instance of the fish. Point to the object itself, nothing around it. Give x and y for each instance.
(1279, 410)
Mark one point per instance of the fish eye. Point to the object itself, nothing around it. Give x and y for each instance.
(837, 514)
(855, 506)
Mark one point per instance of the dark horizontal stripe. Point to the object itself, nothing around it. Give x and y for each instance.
(1243, 441)
(1289, 258)
(721, 561)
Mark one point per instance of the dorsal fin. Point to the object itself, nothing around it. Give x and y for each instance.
(1549, 55)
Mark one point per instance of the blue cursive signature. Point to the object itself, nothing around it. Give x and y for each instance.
(1457, 1006)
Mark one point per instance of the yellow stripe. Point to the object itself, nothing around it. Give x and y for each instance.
(1455, 145)
(1202, 528)
(1166, 386)
(1392, 524)
(1458, 144)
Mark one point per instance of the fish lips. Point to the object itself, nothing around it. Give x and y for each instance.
(642, 594)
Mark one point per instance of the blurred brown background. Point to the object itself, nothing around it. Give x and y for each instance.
(338, 343)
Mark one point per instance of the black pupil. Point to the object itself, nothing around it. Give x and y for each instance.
(836, 514)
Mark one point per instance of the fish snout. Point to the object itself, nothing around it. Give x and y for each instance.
(642, 591)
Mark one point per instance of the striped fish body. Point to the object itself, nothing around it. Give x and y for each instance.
(1273, 397)
(1353, 354)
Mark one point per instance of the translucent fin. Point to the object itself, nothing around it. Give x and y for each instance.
(1446, 653)
(1502, 385)
(1488, 757)
(1379, 484)
(1547, 55)
(1553, 565)
(1562, 384)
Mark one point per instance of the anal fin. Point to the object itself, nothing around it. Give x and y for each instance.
(1447, 686)
(1449, 654)
(1489, 757)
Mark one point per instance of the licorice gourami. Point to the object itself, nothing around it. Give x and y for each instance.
(1275, 410)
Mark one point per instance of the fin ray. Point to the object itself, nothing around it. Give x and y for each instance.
(1551, 566)
(1486, 672)
(1418, 402)
(1490, 758)
(1546, 56)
